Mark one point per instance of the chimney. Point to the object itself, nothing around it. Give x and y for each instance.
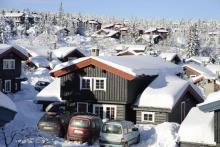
(94, 51)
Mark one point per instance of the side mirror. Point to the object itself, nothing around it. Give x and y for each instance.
(134, 129)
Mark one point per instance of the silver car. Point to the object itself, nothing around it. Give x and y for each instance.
(118, 134)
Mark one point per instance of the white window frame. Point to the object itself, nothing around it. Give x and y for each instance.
(99, 78)
(5, 89)
(104, 109)
(86, 78)
(82, 103)
(149, 113)
(11, 63)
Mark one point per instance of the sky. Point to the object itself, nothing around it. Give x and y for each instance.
(169, 9)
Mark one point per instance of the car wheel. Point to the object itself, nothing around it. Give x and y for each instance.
(126, 145)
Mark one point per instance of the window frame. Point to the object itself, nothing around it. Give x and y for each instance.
(94, 84)
(148, 113)
(85, 78)
(9, 63)
(104, 109)
(78, 103)
(9, 86)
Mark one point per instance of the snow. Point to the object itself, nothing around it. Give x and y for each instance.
(198, 59)
(5, 47)
(134, 65)
(197, 127)
(108, 33)
(130, 47)
(14, 14)
(162, 135)
(167, 56)
(54, 62)
(64, 51)
(40, 61)
(6, 102)
(214, 68)
(163, 92)
(51, 92)
(202, 70)
(211, 103)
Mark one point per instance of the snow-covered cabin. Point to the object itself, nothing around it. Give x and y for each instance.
(93, 25)
(49, 94)
(197, 129)
(200, 60)
(166, 98)
(109, 84)
(11, 57)
(171, 57)
(107, 33)
(17, 17)
(135, 48)
(201, 75)
(7, 109)
(68, 53)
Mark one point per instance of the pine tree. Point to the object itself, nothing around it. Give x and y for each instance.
(61, 14)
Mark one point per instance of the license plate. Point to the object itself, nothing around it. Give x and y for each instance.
(48, 128)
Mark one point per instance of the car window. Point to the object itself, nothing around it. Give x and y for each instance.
(112, 129)
(79, 123)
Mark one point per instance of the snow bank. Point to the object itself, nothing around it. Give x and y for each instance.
(51, 92)
(162, 135)
(197, 127)
(6, 102)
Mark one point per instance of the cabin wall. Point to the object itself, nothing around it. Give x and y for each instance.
(217, 126)
(187, 144)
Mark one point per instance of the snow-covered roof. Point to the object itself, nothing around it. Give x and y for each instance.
(40, 61)
(127, 51)
(198, 59)
(133, 65)
(108, 33)
(202, 70)
(64, 51)
(54, 62)
(6, 102)
(168, 56)
(211, 103)
(150, 30)
(131, 47)
(51, 92)
(5, 47)
(107, 26)
(14, 14)
(162, 31)
(197, 127)
(214, 68)
(164, 92)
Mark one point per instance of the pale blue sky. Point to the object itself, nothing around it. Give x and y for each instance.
(171, 9)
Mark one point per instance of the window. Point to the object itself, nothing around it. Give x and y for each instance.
(105, 111)
(93, 83)
(86, 83)
(8, 64)
(147, 116)
(7, 85)
(82, 107)
(99, 83)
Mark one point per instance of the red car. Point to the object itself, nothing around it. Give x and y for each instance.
(84, 128)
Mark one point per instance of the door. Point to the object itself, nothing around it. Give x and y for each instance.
(82, 107)
(183, 110)
(7, 85)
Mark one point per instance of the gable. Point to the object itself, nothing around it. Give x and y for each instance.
(88, 62)
(14, 51)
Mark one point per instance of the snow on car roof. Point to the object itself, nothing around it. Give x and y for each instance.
(6, 102)
(198, 127)
(163, 92)
(133, 65)
(50, 92)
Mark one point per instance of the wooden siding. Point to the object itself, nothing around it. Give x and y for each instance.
(175, 115)
(188, 144)
(11, 73)
(217, 126)
(160, 115)
(116, 87)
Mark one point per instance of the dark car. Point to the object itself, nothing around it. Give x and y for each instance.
(56, 108)
(84, 128)
(52, 124)
(40, 85)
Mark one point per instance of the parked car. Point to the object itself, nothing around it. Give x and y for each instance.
(84, 128)
(40, 85)
(118, 134)
(52, 124)
(56, 108)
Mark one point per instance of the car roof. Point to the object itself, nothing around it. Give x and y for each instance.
(84, 116)
(121, 122)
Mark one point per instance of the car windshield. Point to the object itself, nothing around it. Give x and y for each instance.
(112, 129)
(79, 123)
